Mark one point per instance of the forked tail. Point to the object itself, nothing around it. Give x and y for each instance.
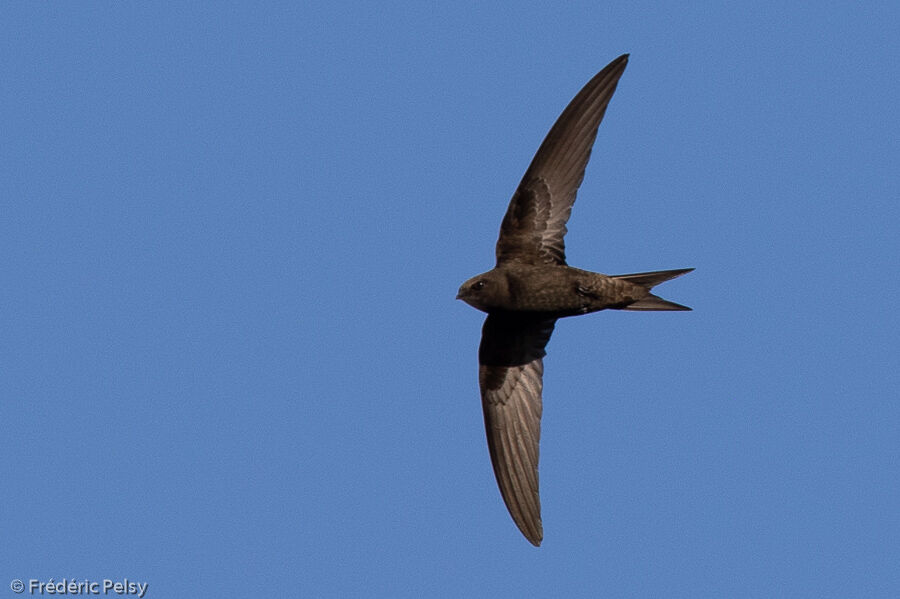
(650, 280)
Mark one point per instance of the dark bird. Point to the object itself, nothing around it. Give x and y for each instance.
(531, 286)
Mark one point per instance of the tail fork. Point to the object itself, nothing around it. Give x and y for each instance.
(650, 280)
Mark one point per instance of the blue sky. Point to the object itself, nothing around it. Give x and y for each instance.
(232, 364)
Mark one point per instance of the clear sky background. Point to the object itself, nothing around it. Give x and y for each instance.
(232, 365)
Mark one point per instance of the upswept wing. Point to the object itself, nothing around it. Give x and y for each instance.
(535, 223)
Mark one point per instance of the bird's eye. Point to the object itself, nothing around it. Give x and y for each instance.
(478, 285)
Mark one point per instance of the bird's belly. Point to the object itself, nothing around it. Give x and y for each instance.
(571, 295)
(549, 299)
(556, 299)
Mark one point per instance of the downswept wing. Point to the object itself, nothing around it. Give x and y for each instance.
(510, 375)
(535, 223)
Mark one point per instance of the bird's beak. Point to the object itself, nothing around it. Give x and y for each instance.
(459, 296)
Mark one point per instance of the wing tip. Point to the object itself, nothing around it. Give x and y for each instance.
(619, 63)
(535, 539)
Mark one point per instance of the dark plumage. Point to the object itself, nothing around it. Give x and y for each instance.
(531, 286)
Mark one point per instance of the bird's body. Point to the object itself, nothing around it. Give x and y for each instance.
(557, 291)
(532, 286)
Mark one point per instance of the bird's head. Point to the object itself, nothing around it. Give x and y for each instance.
(487, 291)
